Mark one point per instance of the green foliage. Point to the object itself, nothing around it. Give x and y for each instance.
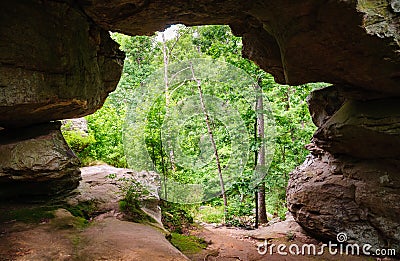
(294, 127)
(105, 126)
(175, 217)
(77, 141)
(188, 244)
(240, 213)
(85, 209)
(140, 52)
(132, 192)
(210, 214)
(105, 143)
(218, 41)
(27, 214)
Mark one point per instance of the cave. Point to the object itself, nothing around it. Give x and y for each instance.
(58, 61)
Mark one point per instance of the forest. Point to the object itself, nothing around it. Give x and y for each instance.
(191, 108)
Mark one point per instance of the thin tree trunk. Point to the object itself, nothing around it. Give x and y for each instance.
(256, 162)
(167, 96)
(262, 212)
(210, 133)
(164, 169)
(287, 98)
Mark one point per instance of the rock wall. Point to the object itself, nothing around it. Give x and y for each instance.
(54, 63)
(297, 41)
(354, 45)
(36, 160)
(57, 61)
(350, 183)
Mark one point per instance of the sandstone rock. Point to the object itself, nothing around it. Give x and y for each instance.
(297, 41)
(66, 237)
(36, 161)
(369, 129)
(350, 183)
(281, 229)
(104, 185)
(122, 240)
(329, 195)
(381, 18)
(54, 63)
(323, 103)
(57, 61)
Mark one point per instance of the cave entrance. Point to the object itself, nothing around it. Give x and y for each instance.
(192, 160)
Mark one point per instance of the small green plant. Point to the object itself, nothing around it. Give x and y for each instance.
(290, 236)
(175, 217)
(86, 209)
(132, 192)
(111, 176)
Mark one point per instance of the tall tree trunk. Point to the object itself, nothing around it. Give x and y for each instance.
(262, 212)
(210, 134)
(164, 169)
(167, 96)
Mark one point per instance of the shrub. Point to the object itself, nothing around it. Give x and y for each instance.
(132, 192)
(175, 217)
(76, 141)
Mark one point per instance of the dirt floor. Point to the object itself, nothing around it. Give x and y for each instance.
(28, 233)
(227, 244)
(65, 237)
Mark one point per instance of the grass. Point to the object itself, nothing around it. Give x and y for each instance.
(27, 214)
(188, 244)
(70, 222)
(209, 214)
(85, 209)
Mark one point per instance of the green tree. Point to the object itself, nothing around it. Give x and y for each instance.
(144, 55)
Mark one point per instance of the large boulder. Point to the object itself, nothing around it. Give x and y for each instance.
(329, 195)
(355, 123)
(363, 129)
(37, 161)
(54, 63)
(350, 183)
(104, 186)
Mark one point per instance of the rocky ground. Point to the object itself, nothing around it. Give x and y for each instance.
(65, 238)
(237, 244)
(48, 231)
(99, 231)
